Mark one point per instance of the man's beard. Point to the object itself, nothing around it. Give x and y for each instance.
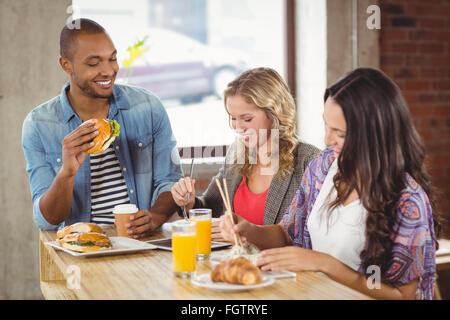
(88, 90)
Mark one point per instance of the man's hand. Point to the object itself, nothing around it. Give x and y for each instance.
(145, 222)
(74, 146)
(141, 224)
(56, 202)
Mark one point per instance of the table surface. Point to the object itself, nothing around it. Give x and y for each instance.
(148, 275)
(443, 255)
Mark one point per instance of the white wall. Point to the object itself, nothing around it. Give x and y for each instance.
(326, 49)
(30, 75)
(311, 48)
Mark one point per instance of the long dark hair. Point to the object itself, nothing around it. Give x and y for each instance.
(381, 145)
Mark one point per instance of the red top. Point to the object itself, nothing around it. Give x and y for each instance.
(249, 205)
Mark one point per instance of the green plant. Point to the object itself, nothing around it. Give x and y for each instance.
(135, 51)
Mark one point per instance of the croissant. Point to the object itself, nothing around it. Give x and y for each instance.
(237, 271)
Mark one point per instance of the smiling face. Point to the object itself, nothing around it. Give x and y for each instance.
(93, 66)
(247, 120)
(335, 125)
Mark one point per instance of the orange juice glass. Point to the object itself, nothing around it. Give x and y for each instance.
(203, 219)
(184, 248)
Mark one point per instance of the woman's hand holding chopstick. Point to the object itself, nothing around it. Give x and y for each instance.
(233, 231)
(227, 203)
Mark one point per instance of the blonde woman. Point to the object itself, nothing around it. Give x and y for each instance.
(265, 166)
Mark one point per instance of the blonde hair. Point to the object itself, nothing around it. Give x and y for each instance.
(268, 91)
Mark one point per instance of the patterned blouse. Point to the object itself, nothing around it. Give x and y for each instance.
(413, 251)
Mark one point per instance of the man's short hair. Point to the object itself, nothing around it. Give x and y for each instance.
(71, 31)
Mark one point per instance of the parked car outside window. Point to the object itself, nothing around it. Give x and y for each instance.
(178, 67)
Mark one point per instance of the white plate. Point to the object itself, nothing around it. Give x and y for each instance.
(204, 280)
(121, 245)
(442, 252)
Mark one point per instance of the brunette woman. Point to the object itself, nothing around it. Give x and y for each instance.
(363, 209)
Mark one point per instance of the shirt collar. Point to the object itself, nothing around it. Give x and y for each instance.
(67, 110)
(118, 101)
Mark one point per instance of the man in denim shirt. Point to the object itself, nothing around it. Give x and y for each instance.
(54, 140)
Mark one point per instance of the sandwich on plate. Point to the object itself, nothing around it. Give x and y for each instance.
(83, 237)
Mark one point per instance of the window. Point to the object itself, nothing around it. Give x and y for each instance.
(192, 50)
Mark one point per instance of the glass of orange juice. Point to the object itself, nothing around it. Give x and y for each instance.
(203, 219)
(184, 248)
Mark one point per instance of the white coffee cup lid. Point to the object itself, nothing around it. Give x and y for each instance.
(125, 209)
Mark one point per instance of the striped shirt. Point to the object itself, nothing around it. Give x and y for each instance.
(108, 187)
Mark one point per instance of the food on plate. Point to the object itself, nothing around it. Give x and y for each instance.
(85, 242)
(83, 237)
(79, 227)
(247, 250)
(107, 133)
(237, 271)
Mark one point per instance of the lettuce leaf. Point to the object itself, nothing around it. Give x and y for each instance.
(116, 128)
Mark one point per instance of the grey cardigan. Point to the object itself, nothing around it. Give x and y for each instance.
(281, 190)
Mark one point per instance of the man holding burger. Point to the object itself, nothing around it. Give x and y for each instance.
(73, 179)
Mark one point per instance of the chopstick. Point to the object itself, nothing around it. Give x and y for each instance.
(192, 168)
(190, 175)
(226, 201)
(226, 193)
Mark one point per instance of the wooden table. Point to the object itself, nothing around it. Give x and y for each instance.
(443, 255)
(148, 275)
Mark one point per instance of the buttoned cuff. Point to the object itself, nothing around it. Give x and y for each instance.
(39, 219)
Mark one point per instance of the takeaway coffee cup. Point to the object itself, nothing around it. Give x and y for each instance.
(122, 213)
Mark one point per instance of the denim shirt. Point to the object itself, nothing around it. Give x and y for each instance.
(146, 149)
